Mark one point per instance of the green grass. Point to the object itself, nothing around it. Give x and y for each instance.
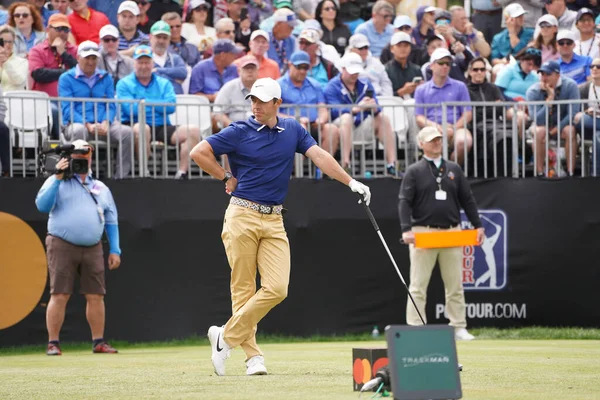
(494, 369)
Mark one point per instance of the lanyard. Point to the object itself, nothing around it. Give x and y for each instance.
(590, 49)
(280, 51)
(98, 208)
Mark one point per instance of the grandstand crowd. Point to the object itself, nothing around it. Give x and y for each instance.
(329, 52)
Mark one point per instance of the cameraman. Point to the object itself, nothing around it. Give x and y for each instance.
(80, 208)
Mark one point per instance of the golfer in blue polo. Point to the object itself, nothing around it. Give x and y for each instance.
(261, 153)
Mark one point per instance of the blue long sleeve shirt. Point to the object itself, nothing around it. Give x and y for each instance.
(76, 85)
(74, 216)
(159, 91)
(567, 89)
(336, 93)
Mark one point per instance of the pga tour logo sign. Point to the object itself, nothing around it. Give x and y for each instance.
(485, 266)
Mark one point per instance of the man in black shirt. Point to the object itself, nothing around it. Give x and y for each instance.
(431, 195)
(400, 70)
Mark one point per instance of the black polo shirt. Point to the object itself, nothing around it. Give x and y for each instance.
(401, 75)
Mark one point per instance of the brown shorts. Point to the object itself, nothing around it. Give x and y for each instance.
(66, 261)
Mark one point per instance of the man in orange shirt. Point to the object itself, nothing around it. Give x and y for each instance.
(86, 22)
(259, 45)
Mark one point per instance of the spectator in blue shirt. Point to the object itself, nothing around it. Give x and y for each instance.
(94, 120)
(553, 87)
(179, 45)
(80, 208)
(108, 8)
(515, 32)
(208, 76)
(167, 65)
(128, 18)
(362, 117)
(261, 152)
(297, 88)
(441, 88)
(515, 79)
(283, 44)
(572, 65)
(159, 95)
(379, 28)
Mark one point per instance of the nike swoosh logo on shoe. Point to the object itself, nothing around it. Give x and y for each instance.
(218, 347)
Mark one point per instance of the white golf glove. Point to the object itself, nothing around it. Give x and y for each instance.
(361, 189)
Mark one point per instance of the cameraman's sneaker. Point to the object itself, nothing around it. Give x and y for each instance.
(256, 366)
(463, 334)
(220, 349)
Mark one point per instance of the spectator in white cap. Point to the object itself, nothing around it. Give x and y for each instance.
(572, 65)
(361, 117)
(534, 8)
(459, 65)
(335, 32)
(130, 36)
(268, 23)
(379, 28)
(374, 71)
(424, 29)
(322, 70)
(512, 39)
(178, 44)
(418, 55)
(282, 43)
(166, 64)
(259, 46)
(253, 229)
(566, 18)
(464, 32)
(195, 29)
(404, 75)
(97, 121)
(545, 41)
(232, 96)
(442, 88)
(208, 76)
(588, 43)
(117, 65)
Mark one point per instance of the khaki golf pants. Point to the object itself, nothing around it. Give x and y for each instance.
(254, 242)
(422, 262)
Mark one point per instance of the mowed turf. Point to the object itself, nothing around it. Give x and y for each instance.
(494, 369)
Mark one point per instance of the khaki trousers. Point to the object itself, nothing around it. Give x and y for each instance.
(422, 262)
(254, 241)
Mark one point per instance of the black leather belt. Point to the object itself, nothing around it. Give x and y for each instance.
(442, 226)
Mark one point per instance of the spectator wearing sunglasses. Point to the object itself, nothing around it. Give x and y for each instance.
(572, 65)
(179, 45)
(117, 65)
(298, 88)
(566, 18)
(442, 88)
(50, 59)
(515, 79)
(145, 22)
(322, 70)
(86, 22)
(379, 28)
(546, 39)
(335, 32)
(29, 27)
(195, 29)
(108, 8)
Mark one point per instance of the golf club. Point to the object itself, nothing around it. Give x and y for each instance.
(372, 218)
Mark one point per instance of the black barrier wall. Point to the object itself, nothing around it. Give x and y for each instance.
(174, 278)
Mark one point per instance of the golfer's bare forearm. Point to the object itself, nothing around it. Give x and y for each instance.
(328, 164)
(204, 157)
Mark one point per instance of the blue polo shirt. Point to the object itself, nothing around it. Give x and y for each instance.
(513, 82)
(262, 158)
(206, 78)
(74, 215)
(501, 43)
(377, 41)
(578, 69)
(281, 51)
(309, 93)
(451, 91)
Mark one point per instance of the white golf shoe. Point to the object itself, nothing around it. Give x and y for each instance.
(220, 349)
(256, 366)
(463, 334)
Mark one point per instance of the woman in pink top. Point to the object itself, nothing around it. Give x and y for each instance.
(546, 39)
